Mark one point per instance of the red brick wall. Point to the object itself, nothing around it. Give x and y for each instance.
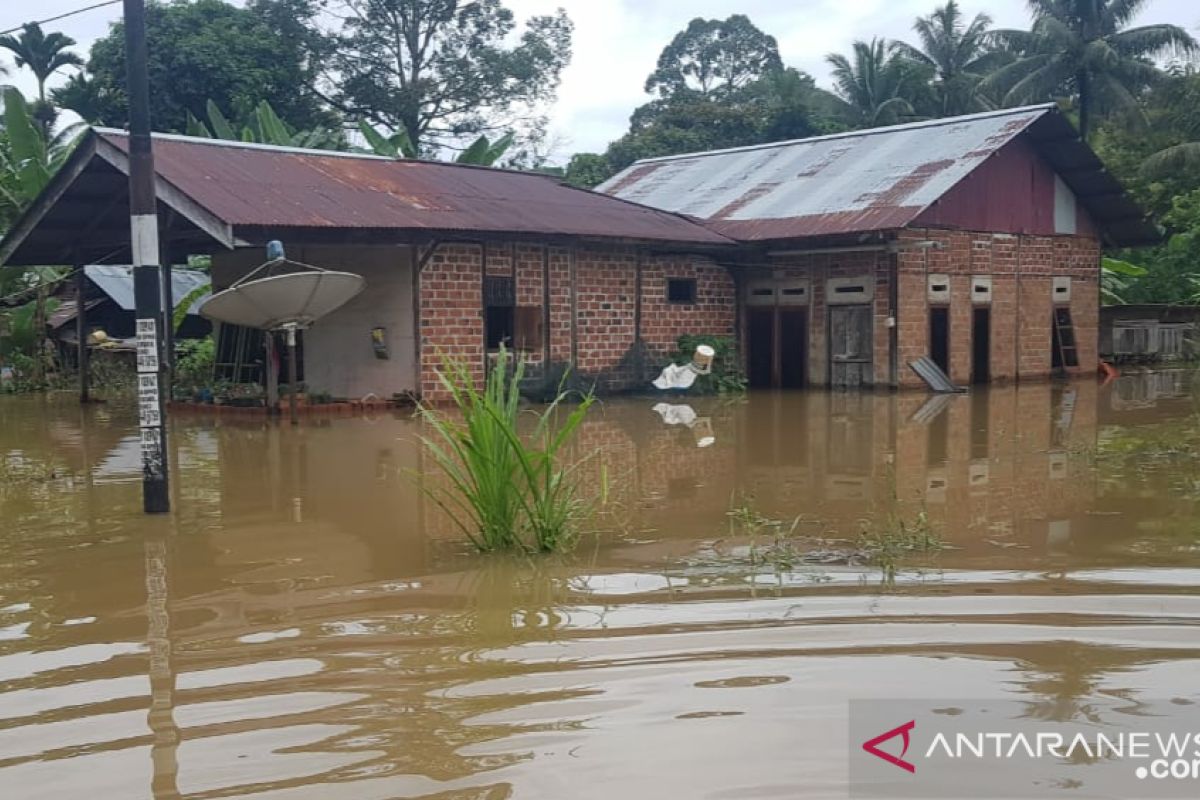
(1021, 268)
(451, 306)
(593, 307)
(713, 312)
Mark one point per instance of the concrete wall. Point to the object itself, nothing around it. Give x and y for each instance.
(338, 355)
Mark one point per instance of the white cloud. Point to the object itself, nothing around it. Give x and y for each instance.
(618, 41)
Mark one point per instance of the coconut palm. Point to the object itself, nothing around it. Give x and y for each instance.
(1180, 115)
(1085, 51)
(959, 54)
(876, 84)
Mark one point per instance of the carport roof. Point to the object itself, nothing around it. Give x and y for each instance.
(233, 193)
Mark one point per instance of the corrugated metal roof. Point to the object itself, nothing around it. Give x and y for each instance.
(845, 183)
(257, 186)
(116, 281)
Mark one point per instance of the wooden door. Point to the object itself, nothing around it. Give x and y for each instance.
(850, 347)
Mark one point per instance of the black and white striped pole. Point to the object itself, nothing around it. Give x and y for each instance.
(147, 292)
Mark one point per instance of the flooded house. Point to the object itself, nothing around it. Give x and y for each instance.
(834, 261)
(973, 240)
(457, 259)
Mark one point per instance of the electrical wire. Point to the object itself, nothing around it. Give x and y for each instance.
(93, 6)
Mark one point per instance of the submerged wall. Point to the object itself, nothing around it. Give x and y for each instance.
(608, 317)
(1021, 271)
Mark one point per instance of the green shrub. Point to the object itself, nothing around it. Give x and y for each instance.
(194, 359)
(507, 492)
(726, 376)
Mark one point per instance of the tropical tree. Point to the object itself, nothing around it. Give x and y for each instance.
(28, 160)
(263, 126)
(959, 54)
(714, 57)
(444, 72)
(210, 50)
(1176, 110)
(1087, 52)
(876, 84)
(43, 54)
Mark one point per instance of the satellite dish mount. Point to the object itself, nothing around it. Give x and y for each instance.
(290, 297)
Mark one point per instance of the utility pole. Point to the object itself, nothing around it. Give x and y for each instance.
(147, 289)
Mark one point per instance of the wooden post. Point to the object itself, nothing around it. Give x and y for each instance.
(81, 356)
(272, 373)
(291, 346)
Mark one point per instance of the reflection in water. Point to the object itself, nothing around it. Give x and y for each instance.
(304, 626)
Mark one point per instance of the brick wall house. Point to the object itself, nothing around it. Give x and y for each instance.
(835, 261)
(974, 240)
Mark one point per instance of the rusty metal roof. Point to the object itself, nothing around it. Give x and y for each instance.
(868, 180)
(261, 186)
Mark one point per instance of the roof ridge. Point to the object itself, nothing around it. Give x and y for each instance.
(861, 132)
(235, 144)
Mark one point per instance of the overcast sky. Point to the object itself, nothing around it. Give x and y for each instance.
(618, 41)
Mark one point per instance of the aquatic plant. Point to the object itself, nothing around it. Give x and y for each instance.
(507, 492)
(887, 545)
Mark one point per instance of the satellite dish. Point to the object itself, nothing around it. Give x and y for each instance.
(293, 299)
(289, 301)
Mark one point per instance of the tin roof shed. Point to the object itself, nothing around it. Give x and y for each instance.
(872, 180)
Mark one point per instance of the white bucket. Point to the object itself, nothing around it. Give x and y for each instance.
(703, 358)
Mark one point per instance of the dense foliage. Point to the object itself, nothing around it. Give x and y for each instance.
(263, 56)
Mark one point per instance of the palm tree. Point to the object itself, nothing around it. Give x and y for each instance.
(958, 54)
(877, 87)
(43, 54)
(1086, 51)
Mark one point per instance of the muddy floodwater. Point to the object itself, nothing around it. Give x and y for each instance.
(306, 625)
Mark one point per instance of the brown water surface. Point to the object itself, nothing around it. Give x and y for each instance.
(304, 625)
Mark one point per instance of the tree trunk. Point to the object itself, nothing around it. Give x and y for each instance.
(1085, 105)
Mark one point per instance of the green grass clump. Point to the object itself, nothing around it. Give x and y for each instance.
(889, 545)
(507, 492)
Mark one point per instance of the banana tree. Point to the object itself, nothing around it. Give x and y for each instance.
(264, 126)
(28, 160)
(1114, 279)
(482, 152)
